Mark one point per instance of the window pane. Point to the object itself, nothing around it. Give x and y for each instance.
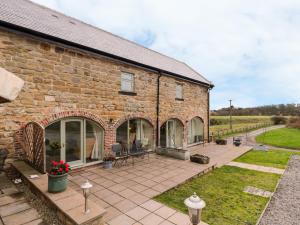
(171, 134)
(163, 137)
(127, 76)
(179, 134)
(52, 143)
(179, 91)
(139, 131)
(146, 134)
(126, 85)
(127, 81)
(73, 141)
(94, 142)
(122, 132)
(134, 131)
(195, 130)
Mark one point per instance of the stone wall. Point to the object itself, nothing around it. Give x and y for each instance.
(62, 81)
(194, 103)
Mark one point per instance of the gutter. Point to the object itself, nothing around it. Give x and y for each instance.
(208, 115)
(157, 111)
(14, 27)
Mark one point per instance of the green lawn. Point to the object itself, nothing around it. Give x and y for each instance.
(283, 137)
(222, 190)
(271, 158)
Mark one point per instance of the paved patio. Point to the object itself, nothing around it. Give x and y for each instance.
(126, 192)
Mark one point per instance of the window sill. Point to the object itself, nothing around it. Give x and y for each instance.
(179, 99)
(127, 93)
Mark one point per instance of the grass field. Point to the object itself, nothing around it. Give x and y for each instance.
(271, 158)
(242, 119)
(222, 190)
(283, 137)
(239, 124)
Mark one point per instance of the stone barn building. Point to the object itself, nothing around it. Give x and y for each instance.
(86, 89)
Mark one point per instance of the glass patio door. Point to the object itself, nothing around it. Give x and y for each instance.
(171, 133)
(72, 141)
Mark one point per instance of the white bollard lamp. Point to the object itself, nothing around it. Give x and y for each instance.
(86, 187)
(195, 206)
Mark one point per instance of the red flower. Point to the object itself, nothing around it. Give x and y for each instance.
(61, 161)
(67, 165)
(60, 169)
(54, 163)
(67, 169)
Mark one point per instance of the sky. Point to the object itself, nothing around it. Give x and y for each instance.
(249, 49)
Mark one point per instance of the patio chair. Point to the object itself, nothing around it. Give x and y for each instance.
(121, 154)
(137, 150)
(147, 149)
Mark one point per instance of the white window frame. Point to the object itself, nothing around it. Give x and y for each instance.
(179, 92)
(129, 78)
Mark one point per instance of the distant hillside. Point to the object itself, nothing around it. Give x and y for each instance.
(267, 110)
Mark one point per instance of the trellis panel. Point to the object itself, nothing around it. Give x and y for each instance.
(32, 142)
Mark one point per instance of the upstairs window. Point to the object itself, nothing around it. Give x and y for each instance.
(127, 82)
(179, 94)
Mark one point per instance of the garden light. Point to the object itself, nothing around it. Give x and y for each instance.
(86, 192)
(195, 206)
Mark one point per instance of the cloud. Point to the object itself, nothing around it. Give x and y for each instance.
(249, 49)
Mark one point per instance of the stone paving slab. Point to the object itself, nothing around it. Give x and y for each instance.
(257, 191)
(257, 167)
(21, 217)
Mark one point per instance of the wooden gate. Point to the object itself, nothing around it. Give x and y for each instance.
(31, 140)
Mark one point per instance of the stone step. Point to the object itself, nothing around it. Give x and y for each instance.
(13, 208)
(21, 217)
(10, 191)
(8, 199)
(36, 222)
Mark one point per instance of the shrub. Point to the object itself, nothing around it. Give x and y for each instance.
(279, 120)
(294, 122)
(215, 122)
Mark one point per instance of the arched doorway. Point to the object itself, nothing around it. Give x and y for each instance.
(75, 140)
(195, 130)
(171, 134)
(133, 130)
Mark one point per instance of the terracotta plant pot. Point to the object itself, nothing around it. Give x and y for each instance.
(57, 183)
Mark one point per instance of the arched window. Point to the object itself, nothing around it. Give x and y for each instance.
(75, 140)
(135, 130)
(195, 130)
(171, 134)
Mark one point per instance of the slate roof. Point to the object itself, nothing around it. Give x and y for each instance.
(37, 18)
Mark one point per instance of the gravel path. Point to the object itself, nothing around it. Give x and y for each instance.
(284, 207)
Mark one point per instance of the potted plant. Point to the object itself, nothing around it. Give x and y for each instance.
(107, 161)
(58, 176)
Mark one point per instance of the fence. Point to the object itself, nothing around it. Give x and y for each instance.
(227, 132)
